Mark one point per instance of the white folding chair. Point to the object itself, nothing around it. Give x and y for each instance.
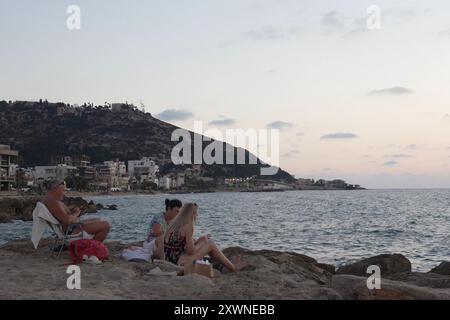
(42, 216)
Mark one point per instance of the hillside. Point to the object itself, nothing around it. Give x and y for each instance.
(42, 130)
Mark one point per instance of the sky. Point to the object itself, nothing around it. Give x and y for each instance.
(368, 105)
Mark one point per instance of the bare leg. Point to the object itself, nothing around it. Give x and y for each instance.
(99, 229)
(209, 248)
(200, 242)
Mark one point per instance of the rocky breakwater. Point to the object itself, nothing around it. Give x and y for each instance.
(21, 207)
(398, 282)
(264, 274)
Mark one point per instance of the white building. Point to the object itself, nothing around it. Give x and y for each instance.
(165, 182)
(8, 158)
(45, 173)
(272, 185)
(179, 180)
(144, 169)
(113, 174)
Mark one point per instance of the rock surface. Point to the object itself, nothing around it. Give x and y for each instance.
(352, 287)
(388, 263)
(26, 273)
(17, 208)
(21, 207)
(443, 268)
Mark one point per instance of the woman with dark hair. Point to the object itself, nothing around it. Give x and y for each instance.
(153, 247)
(158, 226)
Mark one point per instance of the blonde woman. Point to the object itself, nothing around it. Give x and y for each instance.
(179, 245)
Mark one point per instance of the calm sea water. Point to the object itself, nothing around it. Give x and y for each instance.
(332, 226)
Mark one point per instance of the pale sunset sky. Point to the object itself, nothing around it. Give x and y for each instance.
(371, 106)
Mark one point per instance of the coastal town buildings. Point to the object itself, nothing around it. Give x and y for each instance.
(263, 184)
(112, 174)
(143, 174)
(8, 160)
(46, 173)
(143, 170)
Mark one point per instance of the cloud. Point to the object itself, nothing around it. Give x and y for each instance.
(392, 91)
(266, 33)
(359, 28)
(445, 32)
(280, 125)
(174, 115)
(447, 116)
(413, 147)
(390, 164)
(332, 19)
(339, 135)
(222, 122)
(399, 156)
(291, 153)
(300, 134)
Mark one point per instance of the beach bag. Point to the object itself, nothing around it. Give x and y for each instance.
(82, 247)
(203, 268)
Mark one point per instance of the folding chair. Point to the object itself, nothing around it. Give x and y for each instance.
(43, 218)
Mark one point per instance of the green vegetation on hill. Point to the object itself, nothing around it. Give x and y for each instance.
(42, 130)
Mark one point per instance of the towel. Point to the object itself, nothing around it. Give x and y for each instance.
(40, 216)
(140, 253)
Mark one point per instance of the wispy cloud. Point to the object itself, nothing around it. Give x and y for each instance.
(266, 33)
(445, 32)
(390, 164)
(174, 115)
(333, 19)
(399, 156)
(340, 135)
(222, 122)
(291, 153)
(280, 125)
(392, 91)
(413, 147)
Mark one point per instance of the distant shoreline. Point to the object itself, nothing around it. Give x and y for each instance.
(15, 194)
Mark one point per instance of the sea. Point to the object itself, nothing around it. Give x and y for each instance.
(335, 227)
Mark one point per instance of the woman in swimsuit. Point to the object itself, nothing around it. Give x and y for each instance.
(180, 247)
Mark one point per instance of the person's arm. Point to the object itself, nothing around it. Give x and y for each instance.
(190, 244)
(157, 230)
(160, 248)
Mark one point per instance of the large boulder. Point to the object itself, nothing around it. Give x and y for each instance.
(431, 280)
(388, 263)
(355, 288)
(21, 207)
(17, 208)
(443, 268)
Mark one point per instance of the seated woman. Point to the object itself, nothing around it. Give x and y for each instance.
(180, 247)
(158, 226)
